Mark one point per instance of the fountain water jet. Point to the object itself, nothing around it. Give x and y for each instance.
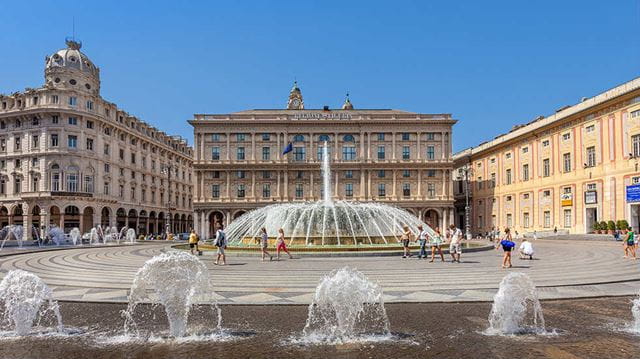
(326, 222)
(131, 236)
(516, 308)
(11, 232)
(56, 234)
(93, 237)
(346, 307)
(75, 236)
(178, 280)
(25, 297)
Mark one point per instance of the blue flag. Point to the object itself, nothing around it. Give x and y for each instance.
(288, 149)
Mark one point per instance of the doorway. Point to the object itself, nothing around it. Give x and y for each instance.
(591, 218)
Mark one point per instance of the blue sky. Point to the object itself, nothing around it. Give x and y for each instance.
(492, 64)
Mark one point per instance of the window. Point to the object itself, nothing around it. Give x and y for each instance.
(121, 154)
(324, 138)
(546, 219)
(381, 190)
(525, 149)
(90, 144)
(591, 156)
(106, 149)
(406, 189)
(431, 152)
(72, 182)
(348, 138)
(73, 121)
(266, 153)
(567, 218)
(241, 191)
(241, 174)
(380, 136)
(35, 121)
(215, 153)
(266, 137)
(348, 174)
(348, 153)
(54, 99)
(406, 152)
(381, 173)
(320, 153)
(88, 184)
(3, 144)
(591, 187)
(300, 174)
(406, 173)
(107, 168)
(566, 160)
(431, 173)
(525, 220)
(215, 191)
(509, 220)
(121, 191)
(492, 182)
(508, 155)
(566, 136)
(299, 153)
(17, 143)
(240, 137)
(431, 190)
(508, 176)
(72, 141)
(89, 105)
(635, 114)
(545, 143)
(3, 186)
(590, 128)
(431, 136)
(299, 190)
(546, 193)
(17, 185)
(133, 192)
(266, 190)
(493, 160)
(215, 137)
(348, 189)
(240, 153)
(298, 138)
(34, 162)
(525, 196)
(381, 153)
(635, 141)
(265, 174)
(89, 124)
(508, 198)
(73, 101)
(546, 168)
(525, 172)
(406, 136)
(55, 180)
(18, 163)
(566, 190)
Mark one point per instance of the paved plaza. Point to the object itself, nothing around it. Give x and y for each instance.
(562, 269)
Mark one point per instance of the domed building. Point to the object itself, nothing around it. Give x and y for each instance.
(69, 158)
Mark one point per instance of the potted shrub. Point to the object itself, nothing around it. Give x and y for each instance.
(595, 227)
(611, 226)
(603, 227)
(624, 226)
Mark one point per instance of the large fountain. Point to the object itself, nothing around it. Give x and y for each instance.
(175, 280)
(346, 307)
(516, 308)
(326, 222)
(26, 298)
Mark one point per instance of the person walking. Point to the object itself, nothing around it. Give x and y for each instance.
(264, 243)
(280, 245)
(422, 240)
(436, 244)
(507, 245)
(455, 244)
(526, 249)
(221, 243)
(630, 244)
(406, 239)
(535, 235)
(193, 242)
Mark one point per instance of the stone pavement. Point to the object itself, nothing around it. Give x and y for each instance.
(562, 269)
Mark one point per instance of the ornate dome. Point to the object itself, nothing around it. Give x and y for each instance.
(70, 67)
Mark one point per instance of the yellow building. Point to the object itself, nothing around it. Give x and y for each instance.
(564, 171)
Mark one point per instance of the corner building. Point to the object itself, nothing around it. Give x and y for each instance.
(564, 171)
(391, 156)
(69, 158)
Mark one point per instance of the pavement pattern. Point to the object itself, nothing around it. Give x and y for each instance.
(561, 270)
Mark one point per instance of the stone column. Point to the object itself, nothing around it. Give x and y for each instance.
(419, 183)
(253, 184)
(335, 187)
(201, 147)
(82, 229)
(253, 146)
(279, 148)
(393, 146)
(228, 174)
(311, 184)
(362, 192)
(228, 146)
(278, 193)
(442, 149)
(393, 191)
(311, 156)
(444, 219)
(418, 145)
(27, 218)
(335, 146)
(368, 146)
(286, 185)
(362, 149)
(369, 184)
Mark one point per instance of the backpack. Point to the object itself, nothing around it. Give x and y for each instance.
(221, 239)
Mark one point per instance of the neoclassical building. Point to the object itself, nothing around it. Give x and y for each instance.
(72, 159)
(565, 171)
(392, 156)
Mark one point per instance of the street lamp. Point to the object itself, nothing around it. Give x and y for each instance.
(467, 171)
(166, 169)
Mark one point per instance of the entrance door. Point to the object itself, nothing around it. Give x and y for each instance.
(634, 218)
(591, 218)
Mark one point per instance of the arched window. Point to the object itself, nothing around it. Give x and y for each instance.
(324, 138)
(55, 178)
(348, 138)
(298, 138)
(72, 179)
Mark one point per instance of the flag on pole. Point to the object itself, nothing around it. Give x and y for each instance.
(288, 149)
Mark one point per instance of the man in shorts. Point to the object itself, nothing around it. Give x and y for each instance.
(455, 245)
(221, 243)
(193, 241)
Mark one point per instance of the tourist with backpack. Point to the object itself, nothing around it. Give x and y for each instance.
(507, 245)
(221, 243)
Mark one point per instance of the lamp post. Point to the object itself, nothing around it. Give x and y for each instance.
(467, 171)
(166, 169)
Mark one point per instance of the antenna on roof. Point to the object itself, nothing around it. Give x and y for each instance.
(73, 29)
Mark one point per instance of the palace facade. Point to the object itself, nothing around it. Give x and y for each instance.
(69, 158)
(565, 171)
(391, 156)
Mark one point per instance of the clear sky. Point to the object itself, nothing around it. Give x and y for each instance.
(492, 64)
